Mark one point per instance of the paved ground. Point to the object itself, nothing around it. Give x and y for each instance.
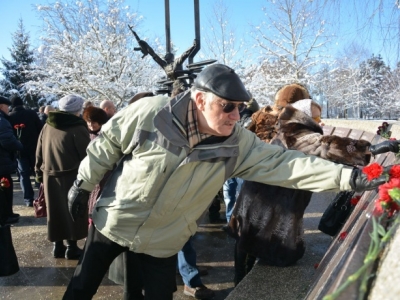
(43, 277)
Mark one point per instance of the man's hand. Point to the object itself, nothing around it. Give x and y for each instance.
(77, 200)
(360, 183)
(386, 146)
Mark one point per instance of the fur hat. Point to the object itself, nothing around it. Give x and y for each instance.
(95, 114)
(223, 82)
(290, 94)
(4, 100)
(16, 100)
(71, 103)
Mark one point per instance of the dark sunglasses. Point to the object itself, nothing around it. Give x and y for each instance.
(230, 106)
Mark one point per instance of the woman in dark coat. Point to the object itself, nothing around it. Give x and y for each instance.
(95, 117)
(268, 220)
(61, 147)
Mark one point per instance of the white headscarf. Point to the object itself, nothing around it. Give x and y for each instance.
(304, 106)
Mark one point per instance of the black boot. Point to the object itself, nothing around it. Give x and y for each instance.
(59, 249)
(73, 251)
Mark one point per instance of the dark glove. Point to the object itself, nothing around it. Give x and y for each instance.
(386, 146)
(77, 200)
(360, 183)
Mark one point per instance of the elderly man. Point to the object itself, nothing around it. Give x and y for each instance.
(173, 156)
(109, 107)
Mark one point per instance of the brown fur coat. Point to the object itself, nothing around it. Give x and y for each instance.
(268, 220)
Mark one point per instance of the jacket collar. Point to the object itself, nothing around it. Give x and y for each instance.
(174, 116)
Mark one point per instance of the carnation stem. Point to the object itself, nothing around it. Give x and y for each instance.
(375, 248)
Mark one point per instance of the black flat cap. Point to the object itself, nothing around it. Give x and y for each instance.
(4, 100)
(223, 82)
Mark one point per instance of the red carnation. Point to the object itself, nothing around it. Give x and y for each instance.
(384, 192)
(395, 171)
(373, 171)
(378, 210)
(21, 125)
(4, 182)
(342, 236)
(16, 126)
(355, 200)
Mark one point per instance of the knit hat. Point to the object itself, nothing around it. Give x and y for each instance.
(95, 114)
(16, 100)
(290, 94)
(222, 81)
(71, 103)
(4, 100)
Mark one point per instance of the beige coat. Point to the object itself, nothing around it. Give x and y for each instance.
(161, 186)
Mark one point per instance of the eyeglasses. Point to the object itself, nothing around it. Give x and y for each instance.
(228, 107)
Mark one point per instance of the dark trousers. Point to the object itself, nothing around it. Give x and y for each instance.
(156, 276)
(6, 199)
(244, 262)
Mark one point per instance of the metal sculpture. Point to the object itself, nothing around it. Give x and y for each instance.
(176, 75)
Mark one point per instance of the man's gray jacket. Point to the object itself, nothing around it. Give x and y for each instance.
(161, 186)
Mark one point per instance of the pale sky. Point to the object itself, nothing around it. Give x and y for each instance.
(242, 13)
(181, 18)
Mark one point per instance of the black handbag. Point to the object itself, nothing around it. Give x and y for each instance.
(8, 258)
(336, 213)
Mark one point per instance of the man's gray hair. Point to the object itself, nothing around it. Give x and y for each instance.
(209, 96)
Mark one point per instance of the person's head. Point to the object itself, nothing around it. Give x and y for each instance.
(95, 117)
(140, 96)
(16, 100)
(310, 108)
(48, 109)
(71, 104)
(289, 94)
(87, 103)
(41, 109)
(219, 95)
(252, 105)
(5, 105)
(109, 107)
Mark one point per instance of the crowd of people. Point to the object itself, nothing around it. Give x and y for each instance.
(133, 184)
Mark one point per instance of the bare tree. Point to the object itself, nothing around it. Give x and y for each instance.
(89, 50)
(373, 19)
(220, 39)
(293, 34)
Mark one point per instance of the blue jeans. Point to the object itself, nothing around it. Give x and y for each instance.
(187, 265)
(25, 168)
(231, 190)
